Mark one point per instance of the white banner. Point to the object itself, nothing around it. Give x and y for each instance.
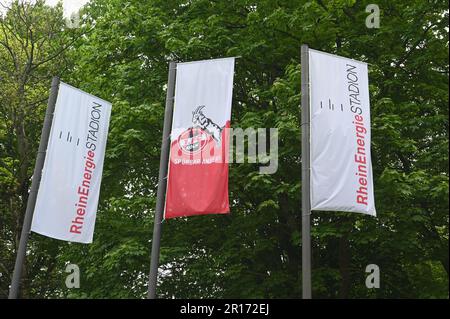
(67, 200)
(341, 167)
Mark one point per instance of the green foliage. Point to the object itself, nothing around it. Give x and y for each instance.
(255, 251)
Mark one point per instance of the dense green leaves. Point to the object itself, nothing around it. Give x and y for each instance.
(255, 251)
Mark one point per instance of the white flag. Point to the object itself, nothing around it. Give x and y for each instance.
(341, 166)
(67, 199)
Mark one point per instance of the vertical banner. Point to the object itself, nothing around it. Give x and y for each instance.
(67, 199)
(198, 168)
(341, 167)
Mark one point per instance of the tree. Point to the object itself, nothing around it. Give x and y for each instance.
(255, 251)
(32, 46)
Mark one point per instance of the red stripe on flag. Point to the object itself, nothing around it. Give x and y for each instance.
(198, 182)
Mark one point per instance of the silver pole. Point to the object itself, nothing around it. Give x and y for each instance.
(306, 204)
(162, 182)
(31, 203)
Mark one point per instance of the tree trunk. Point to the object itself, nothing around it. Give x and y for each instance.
(344, 267)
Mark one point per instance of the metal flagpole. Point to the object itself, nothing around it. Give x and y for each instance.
(162, 182)
(306, 200)
(37, 174)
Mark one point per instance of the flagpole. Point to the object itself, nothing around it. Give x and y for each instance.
(31, 202)
(162, 182)
(306, 199)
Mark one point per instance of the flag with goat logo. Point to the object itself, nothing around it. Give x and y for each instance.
(198, 169)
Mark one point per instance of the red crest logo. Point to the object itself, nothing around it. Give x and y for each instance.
(193, 140)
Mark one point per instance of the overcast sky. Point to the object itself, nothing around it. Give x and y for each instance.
(70, 6)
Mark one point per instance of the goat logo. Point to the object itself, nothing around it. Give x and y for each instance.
(206, 124)
(202, 132)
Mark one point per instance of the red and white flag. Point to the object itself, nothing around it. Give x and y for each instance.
(198, 168)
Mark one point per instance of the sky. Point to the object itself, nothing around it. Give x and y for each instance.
(70, 6)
